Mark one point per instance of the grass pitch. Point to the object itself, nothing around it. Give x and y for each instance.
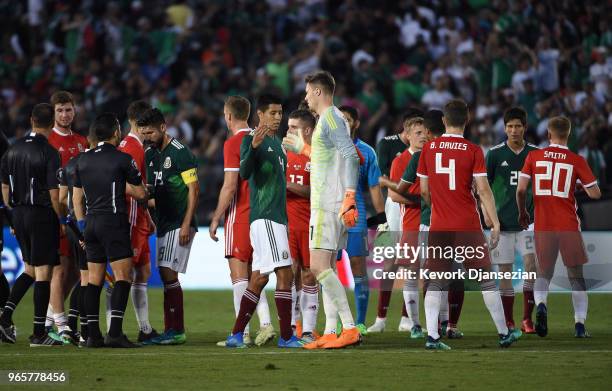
(384, 362)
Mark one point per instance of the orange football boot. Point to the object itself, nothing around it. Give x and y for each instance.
(321, 342)
(348, 337)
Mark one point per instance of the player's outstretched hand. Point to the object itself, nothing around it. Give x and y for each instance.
(296, 144)
(494, 240)
(348, 210)
(259, 135)
(212, 229)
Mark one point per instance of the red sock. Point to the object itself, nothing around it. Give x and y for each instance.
(175, 305)
(528, 300)
(167, 319)
(507, 297)
(283, 307)
(455, 303)
(383, 303)
(247, 308)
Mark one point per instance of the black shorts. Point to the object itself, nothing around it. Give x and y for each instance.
(76, 249)
(37, 231)
(107, 237)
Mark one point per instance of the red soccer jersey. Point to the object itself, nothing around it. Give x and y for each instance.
(450, 164)
(238, 212)
(411, 215)
(68, 145)
(554, 171)
(298, 208)
(133, 147)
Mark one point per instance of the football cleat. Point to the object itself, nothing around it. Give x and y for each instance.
(363, 330)
(581, 331)
(416, 332)
(308, 338)
(321, 341)
(453, 333)
(145, 337)
(8, 333)
(170, 337)
(378, 326)
(404, 324)
(94, 342)
(507, 340)
(436, 344)
(293, 342)
(121, 342)
(69, 337)
(527, 326)
(44, 340)
(235, 341)
(349, 337)
(541, 326)
(265, 335)
(516, 332)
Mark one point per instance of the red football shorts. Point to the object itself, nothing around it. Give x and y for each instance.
(65, 248)
(445, 248)
(411, 241)
(299, 248)
(238, 242)
(549, 244)
(140, 246)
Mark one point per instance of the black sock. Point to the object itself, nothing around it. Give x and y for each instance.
(21, 286)
(73, 312)
(92, 304)
(5, 290)
(119, 299)
(42, 291)
(83, 311)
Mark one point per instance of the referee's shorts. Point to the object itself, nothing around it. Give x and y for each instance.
(37, 231)
(107, 238)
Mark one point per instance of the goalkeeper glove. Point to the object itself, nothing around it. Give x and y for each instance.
(295, 143)
(348, 210)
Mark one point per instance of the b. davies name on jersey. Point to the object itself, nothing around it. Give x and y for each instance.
(449, 145)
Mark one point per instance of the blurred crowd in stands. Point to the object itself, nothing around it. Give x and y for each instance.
(185, 57)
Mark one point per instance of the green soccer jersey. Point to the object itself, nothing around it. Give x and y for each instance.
(410, 175)
(169, 171)
(388, 149)
(264, 167)
(503, 168)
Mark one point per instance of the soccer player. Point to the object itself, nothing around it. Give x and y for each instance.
(298, 214)
(263, 162)
(5, 290)
(555, 170)
(504, 163)
(101, 178)
(357, 243)
(233, 203)
(415, 133)
(333, 181)
(172, 172)
(30, 192)
(447, 168)
(141, 225)
(69, 144)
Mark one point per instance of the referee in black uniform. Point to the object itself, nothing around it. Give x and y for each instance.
(30, 191)
(103, 174)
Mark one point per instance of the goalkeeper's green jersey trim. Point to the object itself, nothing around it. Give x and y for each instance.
(503, 168)
(264, 167)
(410, 176)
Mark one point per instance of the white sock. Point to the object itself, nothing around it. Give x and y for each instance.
(309, 304)
(540, 290)
(109, 291)
(331, 313)
(432, 312)
(140, 301)
(49, 318)
(581, 305)
(443, 306)
(411, 300)
(494, 304)
(238, 288)
(263, 310)
(332, 285)
(293, 301)
(60, 321)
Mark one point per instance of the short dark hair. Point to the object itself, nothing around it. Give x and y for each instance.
(265, 100)
(152, 117)
(104, 126)
(411, 112)
(352, 111)
(560, 126)
(323, 79)
(136, 109)
(60, 97)
(43, 116)
(239, 106)
(433, 122)
(515, 113)
(456, 113)
(305, 116)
